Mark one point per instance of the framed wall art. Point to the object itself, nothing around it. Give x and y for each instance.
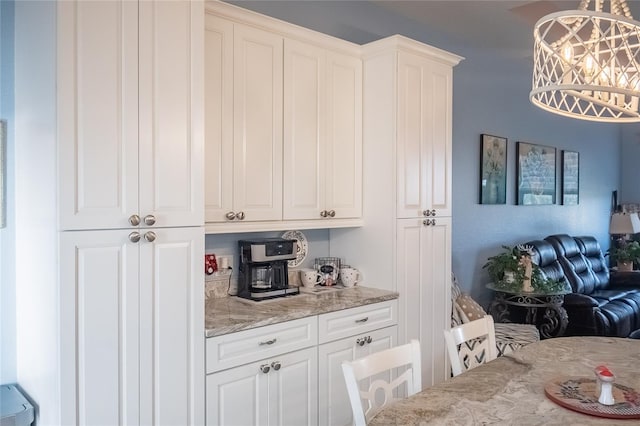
(536, 166)
(570, 178)
(493, 170)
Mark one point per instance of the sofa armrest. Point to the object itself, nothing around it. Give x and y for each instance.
(579, 300)
(621, 279)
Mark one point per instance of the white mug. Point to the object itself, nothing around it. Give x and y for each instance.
(309, 277)
(350, 276)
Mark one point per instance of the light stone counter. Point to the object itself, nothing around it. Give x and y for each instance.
(230, 314)
(510, 389)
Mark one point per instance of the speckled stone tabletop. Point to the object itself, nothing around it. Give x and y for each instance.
(230, 314)
(510, 389)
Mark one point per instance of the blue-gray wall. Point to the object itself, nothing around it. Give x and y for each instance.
(490, 96)
(7, 235)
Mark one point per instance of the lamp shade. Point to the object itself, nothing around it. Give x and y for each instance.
(624, 223)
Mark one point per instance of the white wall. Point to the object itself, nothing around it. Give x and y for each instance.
(35, 203)
(630, 165)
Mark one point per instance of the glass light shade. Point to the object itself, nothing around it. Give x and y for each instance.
(624, 223)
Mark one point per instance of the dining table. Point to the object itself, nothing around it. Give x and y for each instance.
(522, 388)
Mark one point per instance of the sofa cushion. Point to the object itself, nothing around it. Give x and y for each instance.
(590, 249)
(577, 269)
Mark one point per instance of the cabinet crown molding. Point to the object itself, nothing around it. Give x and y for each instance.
(399, 42)
(280, 27)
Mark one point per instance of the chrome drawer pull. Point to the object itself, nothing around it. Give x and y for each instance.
(268, 342)
(365, 319)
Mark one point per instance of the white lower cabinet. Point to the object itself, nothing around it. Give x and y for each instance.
(131, 319)
(277, 391)
(290, 373)
(334, 406)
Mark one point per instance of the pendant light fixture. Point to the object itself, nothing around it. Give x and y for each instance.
(586, 63)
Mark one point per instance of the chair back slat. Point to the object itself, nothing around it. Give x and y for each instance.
(358, 372)
(472, 344)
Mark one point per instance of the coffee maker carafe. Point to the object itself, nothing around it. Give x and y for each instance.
(263, 268)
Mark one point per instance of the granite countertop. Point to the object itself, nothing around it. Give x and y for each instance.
(510, 390)
(230, 314)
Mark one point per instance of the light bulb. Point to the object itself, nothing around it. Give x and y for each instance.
(567, 52)
(623, 80)
(589, 66)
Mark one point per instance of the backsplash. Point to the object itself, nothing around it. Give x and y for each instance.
(226, 245)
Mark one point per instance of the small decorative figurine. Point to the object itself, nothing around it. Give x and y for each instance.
(604, 390)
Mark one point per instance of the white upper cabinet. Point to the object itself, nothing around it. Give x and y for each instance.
(283, 131)
(423, 137)
(257, 124)
(243, 132)
(129, 114)
(322, 133)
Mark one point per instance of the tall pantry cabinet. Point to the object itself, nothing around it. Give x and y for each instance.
(406, 243)
(129, 105)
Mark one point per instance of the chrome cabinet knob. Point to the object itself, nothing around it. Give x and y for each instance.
(323, 213)
(134, 220)
(265, 368)
(150, 236)
(433, 212)
(369, 339)
(134, 237)
(426, 213)
(331, 213)
(240, 215)
(230, 215)
(433, 222)
(276, 365)
(149, 220)
(426, 222)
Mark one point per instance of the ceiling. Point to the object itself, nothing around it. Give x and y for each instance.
(495, 24)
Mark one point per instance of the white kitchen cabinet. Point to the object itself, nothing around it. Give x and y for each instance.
(407, 185)
(423, 147)
(280, 390)
(131, 315)
(423, 276)
(243, 133)
(334, 405)
(283, 132)
(129, 114)
(322, 133)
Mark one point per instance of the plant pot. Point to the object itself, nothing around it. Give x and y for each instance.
(509, 277)
(625, 266)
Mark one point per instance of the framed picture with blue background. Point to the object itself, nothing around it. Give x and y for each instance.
(493, 170)
(536, 174)
(570, 178)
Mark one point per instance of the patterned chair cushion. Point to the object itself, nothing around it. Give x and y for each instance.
(509, 336)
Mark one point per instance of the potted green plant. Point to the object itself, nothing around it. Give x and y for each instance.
(504, 267)
(508, 272)
(625, 254)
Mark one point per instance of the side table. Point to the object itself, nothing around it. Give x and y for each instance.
(553, 321)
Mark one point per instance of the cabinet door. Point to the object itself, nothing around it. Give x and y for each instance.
(218, 182)
(334, 407)
(238, 396)
(343, 166)
(293, 388)
(171, 118)
(257, 123)
(99, 323)
(172, 329)
(97, 113)
(304, 131)
(423, 281)
(424, 136)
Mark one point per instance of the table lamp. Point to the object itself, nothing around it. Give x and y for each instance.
(624, 224)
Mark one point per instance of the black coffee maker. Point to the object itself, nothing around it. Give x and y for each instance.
(263, 268)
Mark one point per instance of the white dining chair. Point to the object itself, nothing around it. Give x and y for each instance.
(472, 344)
(355, 372)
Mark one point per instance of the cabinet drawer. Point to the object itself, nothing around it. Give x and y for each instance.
(349, 322)
(231, 350)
